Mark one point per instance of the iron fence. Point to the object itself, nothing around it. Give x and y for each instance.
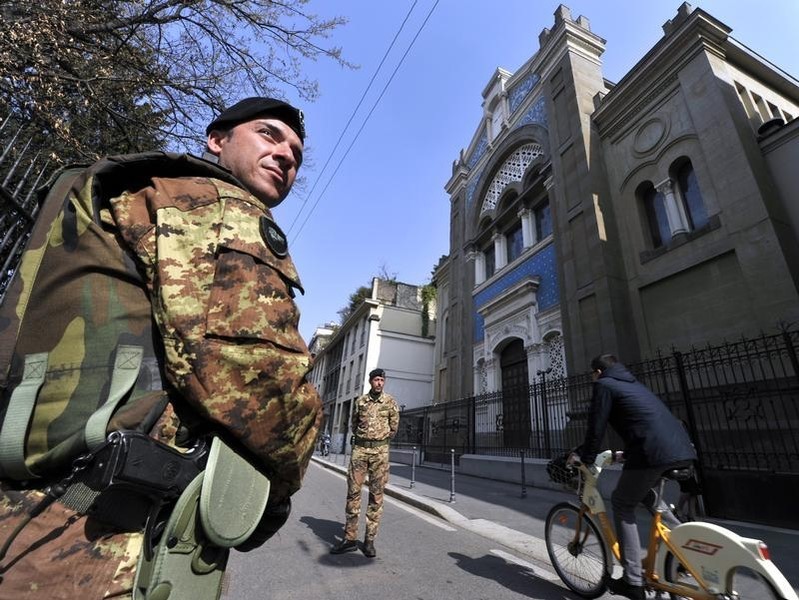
(22, 171)
(739, 401)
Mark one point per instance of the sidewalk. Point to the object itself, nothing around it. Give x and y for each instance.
(497, 510)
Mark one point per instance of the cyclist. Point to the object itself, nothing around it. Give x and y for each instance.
(654, 441)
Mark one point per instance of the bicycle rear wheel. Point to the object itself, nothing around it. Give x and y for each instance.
(744, 583)
(749, 584)
(576, 550)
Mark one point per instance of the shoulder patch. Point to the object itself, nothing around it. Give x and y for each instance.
(274, 237)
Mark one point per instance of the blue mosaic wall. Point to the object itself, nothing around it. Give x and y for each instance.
(537, 113)
(479, 150)
(541, 263)
(520, 91)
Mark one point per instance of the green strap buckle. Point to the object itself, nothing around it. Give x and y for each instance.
(20, 409)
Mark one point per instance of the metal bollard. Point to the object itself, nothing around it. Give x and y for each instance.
(413, 467)
(524, 483)
(452, 476)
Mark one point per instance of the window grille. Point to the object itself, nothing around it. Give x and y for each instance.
(511, 170)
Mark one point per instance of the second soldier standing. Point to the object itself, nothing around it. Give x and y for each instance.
(375, 419)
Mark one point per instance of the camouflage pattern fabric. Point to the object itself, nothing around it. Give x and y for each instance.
(374, 462)
(178, 266)
(372, 419)
(375, 419)
(63, 555)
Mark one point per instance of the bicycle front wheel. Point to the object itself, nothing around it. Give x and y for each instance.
(576, 550)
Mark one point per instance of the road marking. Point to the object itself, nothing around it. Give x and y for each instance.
(422, 515)
(537, 570)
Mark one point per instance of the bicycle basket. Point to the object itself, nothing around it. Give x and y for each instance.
(561, 472)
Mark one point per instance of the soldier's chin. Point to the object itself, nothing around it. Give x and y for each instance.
(270, 197)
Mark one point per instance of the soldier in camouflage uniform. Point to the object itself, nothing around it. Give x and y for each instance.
(375, 419)
(180, 257)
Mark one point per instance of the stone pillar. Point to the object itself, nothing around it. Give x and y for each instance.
(479, 260)
(536, 359)
(500, 251)
(675, 211)
(491, 374)
(528, 228)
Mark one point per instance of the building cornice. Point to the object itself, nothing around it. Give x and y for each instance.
(698, 33)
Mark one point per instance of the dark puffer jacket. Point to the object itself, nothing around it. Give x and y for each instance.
(652, 435)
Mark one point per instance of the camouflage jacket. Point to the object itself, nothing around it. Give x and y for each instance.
(375, 419)
(169, 253)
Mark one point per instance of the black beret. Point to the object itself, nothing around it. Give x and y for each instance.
(249, 108)
(376, 373)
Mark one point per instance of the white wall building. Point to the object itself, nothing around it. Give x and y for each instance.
(392, 329)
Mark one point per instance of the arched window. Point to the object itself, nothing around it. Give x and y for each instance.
(657, 220)
(510, 171)
(692, 198)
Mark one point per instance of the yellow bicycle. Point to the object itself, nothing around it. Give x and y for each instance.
(696, 560)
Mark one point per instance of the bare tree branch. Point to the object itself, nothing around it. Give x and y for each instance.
(110, 76)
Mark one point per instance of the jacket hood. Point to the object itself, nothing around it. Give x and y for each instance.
(618, 371)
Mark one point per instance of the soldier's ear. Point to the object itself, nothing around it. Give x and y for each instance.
(216, 140)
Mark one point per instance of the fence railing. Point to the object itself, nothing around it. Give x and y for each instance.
(739, 401)
(22, 171)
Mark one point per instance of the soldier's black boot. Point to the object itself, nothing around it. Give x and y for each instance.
(369, 549)
(344, 546)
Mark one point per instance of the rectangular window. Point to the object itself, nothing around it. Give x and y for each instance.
(491, 262)
(543, 221)
(515, 242)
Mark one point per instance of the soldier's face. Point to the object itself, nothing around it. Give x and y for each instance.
(264, 154)
(377, 384)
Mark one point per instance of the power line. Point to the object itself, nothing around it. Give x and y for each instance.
(366, 120)
(352, 116)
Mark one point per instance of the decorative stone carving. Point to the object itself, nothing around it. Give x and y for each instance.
(650, 135)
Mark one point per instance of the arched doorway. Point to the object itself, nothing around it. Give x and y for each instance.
(515, 395)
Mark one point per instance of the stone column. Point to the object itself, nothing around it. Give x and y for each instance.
(479, 266)
(528, 229)
(500, 251)
(491, 374)
(675, 211)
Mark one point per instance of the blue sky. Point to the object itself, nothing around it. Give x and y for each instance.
(383, 206)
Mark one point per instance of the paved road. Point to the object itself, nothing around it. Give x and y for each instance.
(420, 557)
(486, 541)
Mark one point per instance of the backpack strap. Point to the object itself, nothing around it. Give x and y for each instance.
(126, 371)
(20, 409)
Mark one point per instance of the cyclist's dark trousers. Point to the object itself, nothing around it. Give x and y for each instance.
(634, 487)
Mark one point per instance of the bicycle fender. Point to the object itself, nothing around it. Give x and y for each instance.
(714, 551)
